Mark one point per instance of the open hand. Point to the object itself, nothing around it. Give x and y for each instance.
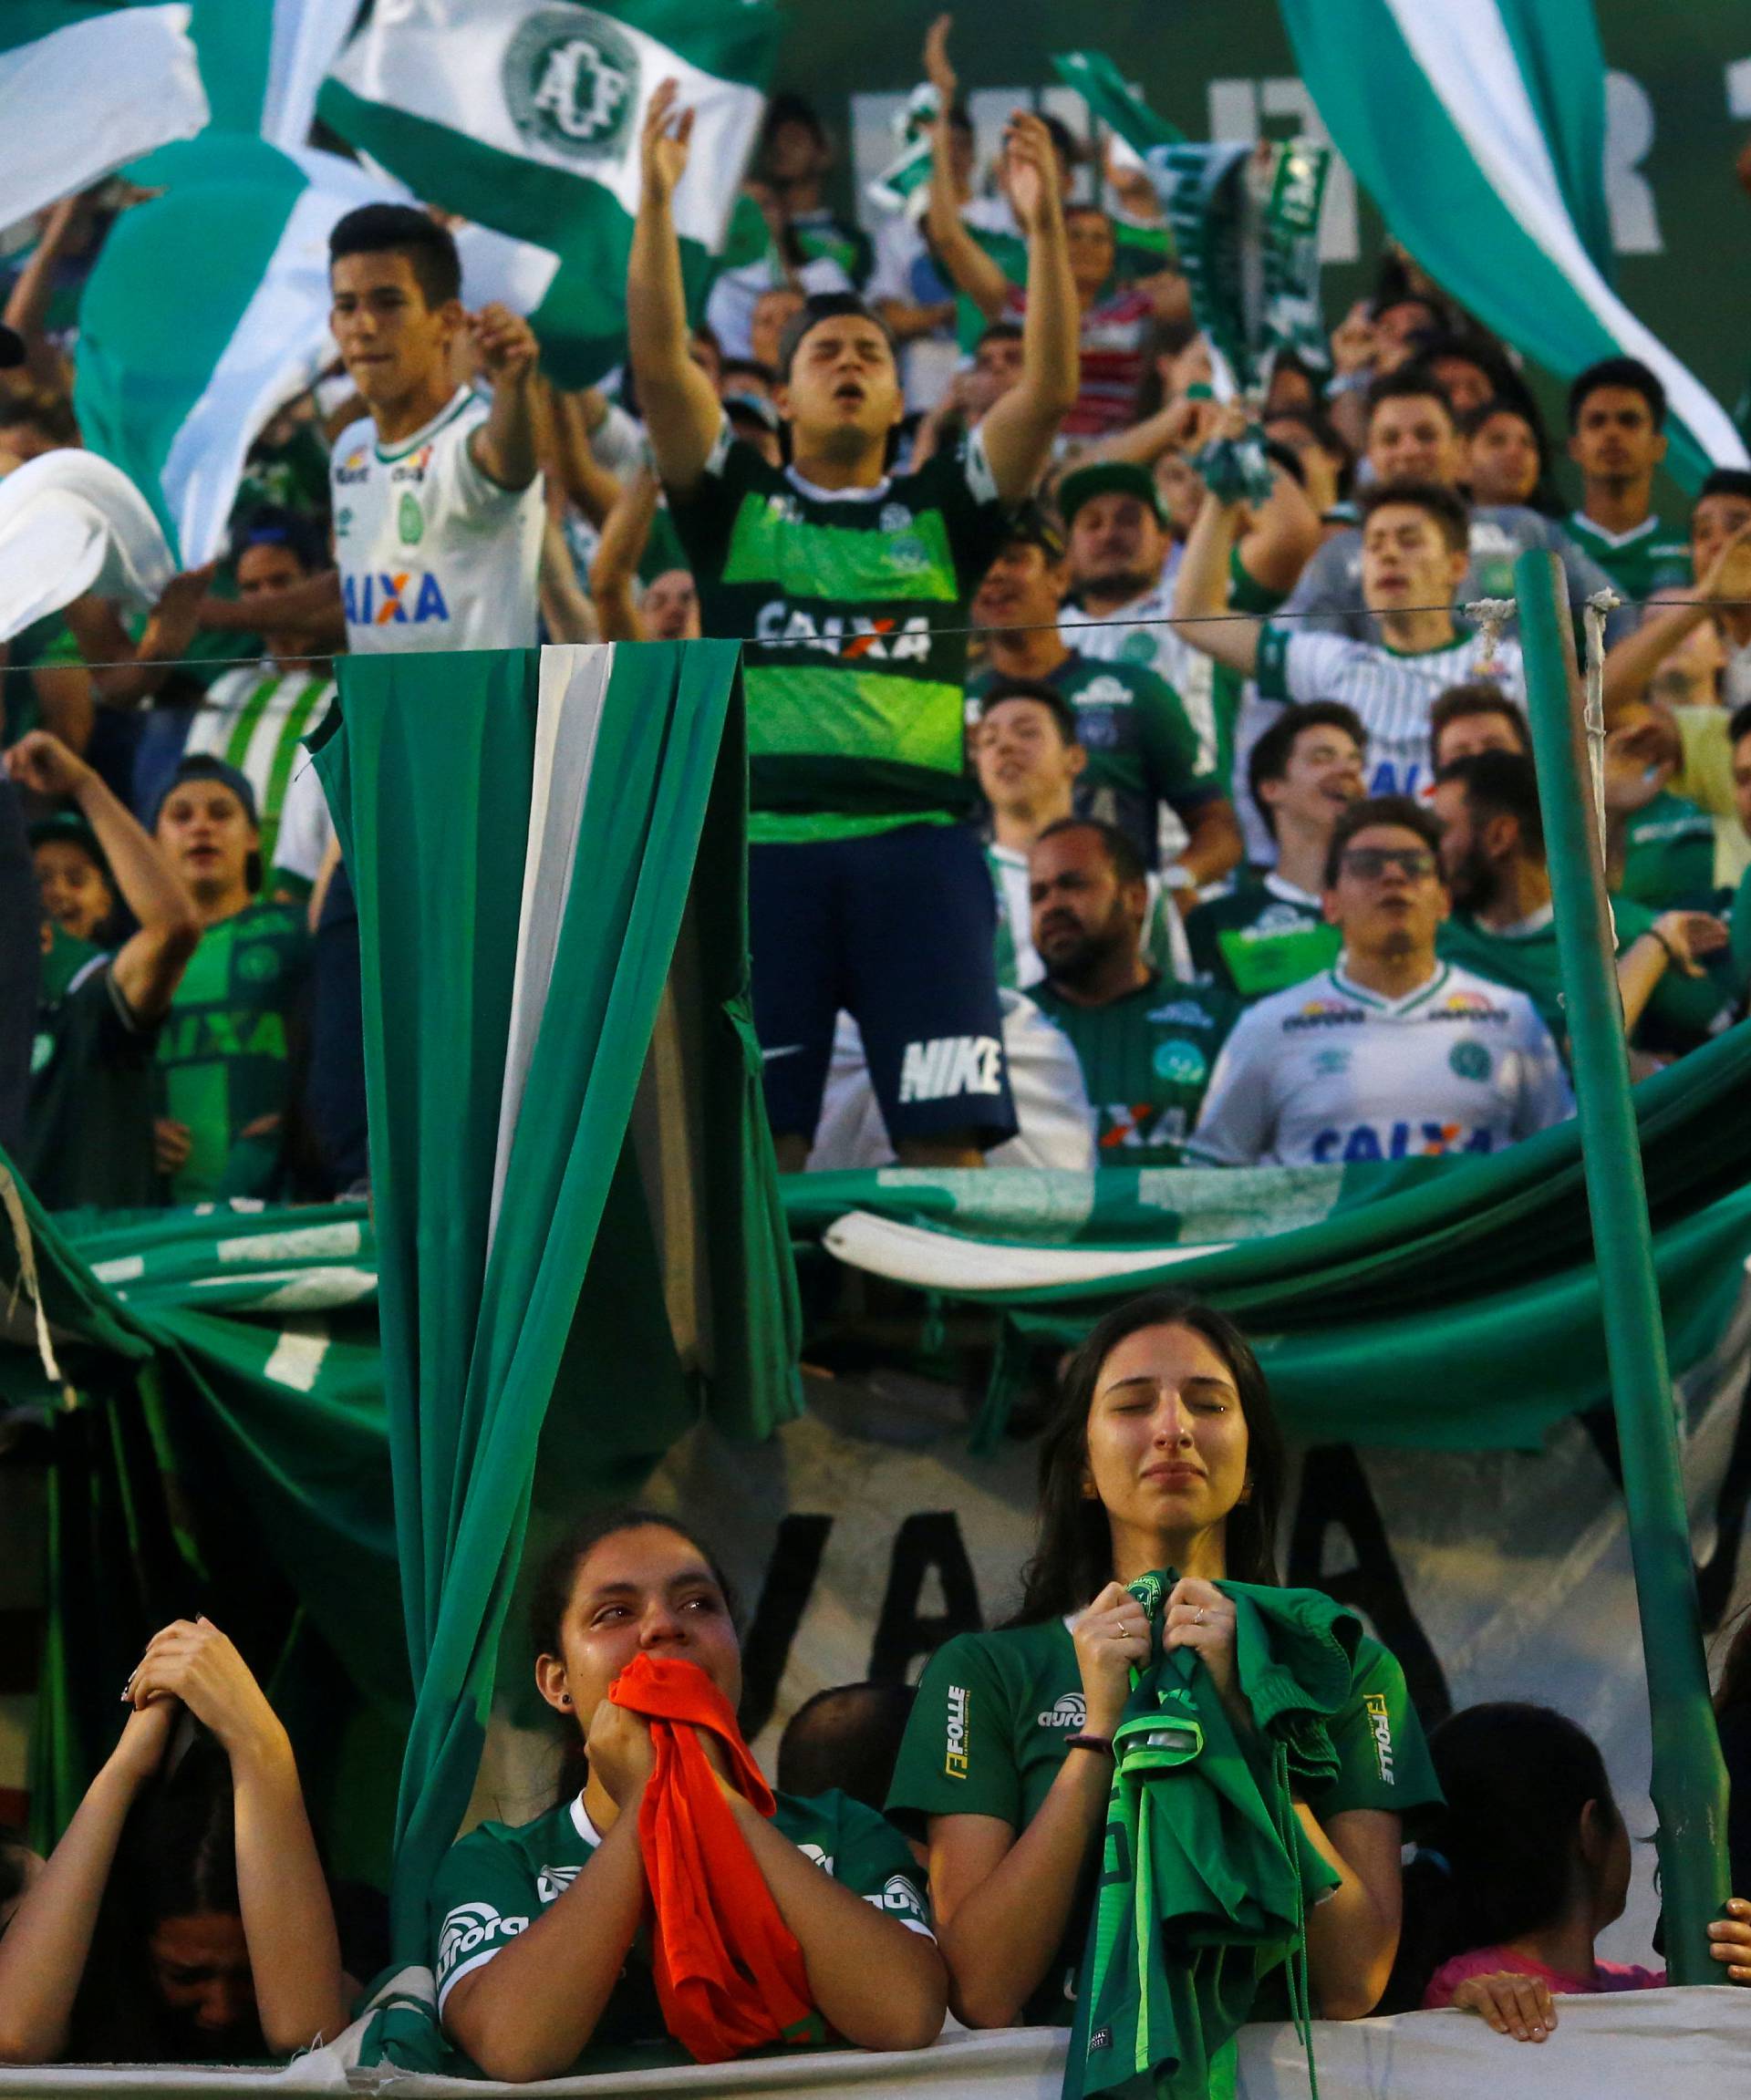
(937, 69)
(1689, 936)
(1031, 169)
(663, 146)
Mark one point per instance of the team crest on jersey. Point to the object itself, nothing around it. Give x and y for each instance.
(1180, 1063)
(42, 1050)
(411, 521)
(1470, 1060)
(571, 82)
(258, 964)
(1138, 648)
(895, 518)
(1070, 1709)
(1328, 1063)
(552, 1882)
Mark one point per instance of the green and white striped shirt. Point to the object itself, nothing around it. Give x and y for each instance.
(254, 718)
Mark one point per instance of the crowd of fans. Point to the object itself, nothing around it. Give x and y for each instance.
(1096, 816)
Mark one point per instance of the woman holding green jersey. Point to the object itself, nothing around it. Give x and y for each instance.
(1163, 1454)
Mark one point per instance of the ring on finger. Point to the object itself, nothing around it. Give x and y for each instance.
(1198, 1619)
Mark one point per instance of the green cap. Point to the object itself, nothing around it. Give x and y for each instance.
(69, 828)
(1106, 478)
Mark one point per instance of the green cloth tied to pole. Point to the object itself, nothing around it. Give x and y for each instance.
(1207, 1875)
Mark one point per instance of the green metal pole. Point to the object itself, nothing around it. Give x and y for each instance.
(1689, 1784)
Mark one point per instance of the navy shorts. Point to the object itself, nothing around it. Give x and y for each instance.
(899, 929)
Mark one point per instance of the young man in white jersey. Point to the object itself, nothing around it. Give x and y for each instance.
(437, 493)
(1390, 1053)
(1414, 556)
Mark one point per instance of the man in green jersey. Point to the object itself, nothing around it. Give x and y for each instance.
(1145, 1044)
(1269, 930)
(1617, 438)
(1671, 966)
(1142, 749)
(88, 1127)
(848, 587)
(224, 1058)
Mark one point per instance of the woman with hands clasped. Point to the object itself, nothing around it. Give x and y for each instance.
(184, 1916)
(545, 1929)
(1163, 1454)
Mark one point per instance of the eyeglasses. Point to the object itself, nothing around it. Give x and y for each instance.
(1370, 863)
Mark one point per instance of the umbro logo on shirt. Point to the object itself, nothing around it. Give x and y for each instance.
(1071, 1711)
(552, 1882)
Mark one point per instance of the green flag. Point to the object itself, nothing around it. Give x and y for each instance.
(525, 116)
(571, 1172)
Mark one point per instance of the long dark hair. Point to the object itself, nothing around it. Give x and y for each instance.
(555, 1579)
(1072, 1557)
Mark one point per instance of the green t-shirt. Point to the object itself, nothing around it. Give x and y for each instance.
(1669, 853)
(89, 1125)
(1146, 1061)
(498, 1879)
(47, 644)
(1651, 557)
(224, 1055)
(995, 1711)
(1683, 1012)
(1260, 936)
(847, 606)
(1142, 748)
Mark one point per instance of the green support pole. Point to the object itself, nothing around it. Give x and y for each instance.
(1689, 1784)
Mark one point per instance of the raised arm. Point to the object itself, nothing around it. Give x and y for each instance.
(26, 307)
(151, 964)
(572, 420)
(1631, 662)
(504, 448)
(1283, 537)
(618, 553)
(125, 672)
(1201, 590)
(973, 270)
(682, 411)
(1017, 433)
(44, 1951)
(302, 1998)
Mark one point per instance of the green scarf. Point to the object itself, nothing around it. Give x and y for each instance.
(1207, 1875)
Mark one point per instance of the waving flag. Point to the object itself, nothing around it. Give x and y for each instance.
(83, 89)
(1479, 128)
(525, 116)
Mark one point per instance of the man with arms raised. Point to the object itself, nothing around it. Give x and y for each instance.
(1269, 930)
(1145, 1044)
(1413, 558)
(1142, 750)
(1390, 1053)
(866, 888)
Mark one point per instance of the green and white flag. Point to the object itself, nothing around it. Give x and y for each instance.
(578, 1227)
(1479, 128)
(525, 116)
(904, 184)
(173, 388)
(83, 89)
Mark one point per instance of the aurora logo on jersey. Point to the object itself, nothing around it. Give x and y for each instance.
(1326, 1013)
(1071, 1711)
(354, 467)
(406, 598)
(948, 1065)
(469, 1926)
(1380, 1720)
(1396, 1141)
(953, 1747)
(869, 637)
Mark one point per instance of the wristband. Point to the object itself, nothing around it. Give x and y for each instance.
(1095, 1743)
(1671, 953)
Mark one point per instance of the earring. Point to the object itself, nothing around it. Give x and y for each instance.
(1246, 1489)
(565, 1699)
(1090, 1490)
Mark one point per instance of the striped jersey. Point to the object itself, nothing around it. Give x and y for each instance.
(851, 606)
(1260, 936)
(1140, 634)
(1113, 333)
(1393, 691)
(254, 718)
(1649, 557)
(1146, 1061)
(1328, 1073)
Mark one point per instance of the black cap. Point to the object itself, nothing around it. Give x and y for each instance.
(205, 766)
(12, 348)
(1031, 526)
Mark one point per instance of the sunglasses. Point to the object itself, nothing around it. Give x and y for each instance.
(1370, 863)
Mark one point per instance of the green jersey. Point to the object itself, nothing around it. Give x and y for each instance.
(996, 1711)
(88, 1126)
(1649, 557)
(1262, 936)
(1683, 1012)
(848, 605)
(224, 1055)
(1142, 748)
(1146, 1061)
(496, 1881)
(1669, 853)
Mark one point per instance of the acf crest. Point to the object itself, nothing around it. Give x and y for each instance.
(571, 82)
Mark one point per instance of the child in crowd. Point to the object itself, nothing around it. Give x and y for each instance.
(184, 1916)
(1527, 1864)
(543, 1941)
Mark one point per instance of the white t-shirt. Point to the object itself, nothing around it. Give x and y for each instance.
(1391, 692)
(1108, 637)
(306, 827)
(434, 555)
(1325, 1073)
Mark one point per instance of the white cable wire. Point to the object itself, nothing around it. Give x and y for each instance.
(1598, 606)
